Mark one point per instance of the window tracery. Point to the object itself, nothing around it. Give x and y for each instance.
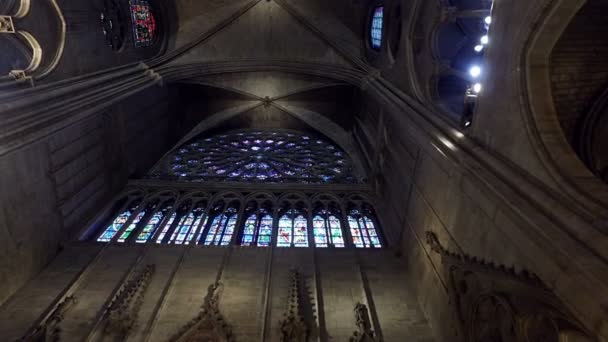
(327, 229)
(258, 157)
(363, 230)
(144, 23)
(162, 221)
(293, 230)
(222, 227)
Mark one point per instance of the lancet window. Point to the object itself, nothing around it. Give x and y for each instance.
(222, 226)
(327, 229)
(257, 230)
(363, 230)
(293, 220)
(376, 27)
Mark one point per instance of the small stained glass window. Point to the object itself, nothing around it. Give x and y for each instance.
(222, 228)
(165, 229)
(114, 227)
(144, 23)
(363, 231)
(376, 27)
(186, 229)
(327, 230)
(150, 227)
(293, 230)
(125, 235)
(257, 230)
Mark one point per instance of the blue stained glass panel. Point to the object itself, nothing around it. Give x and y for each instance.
(114, 227)
(376, 27)
(265, 233)
(194, 228)
(131, 227)
(149, 228)
(249, 231)
(166, 227)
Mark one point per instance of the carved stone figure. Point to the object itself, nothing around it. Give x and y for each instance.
(365, 332)
(122, 312)
(50, 330)
(293, 327)
(493, 303)
(209, 325)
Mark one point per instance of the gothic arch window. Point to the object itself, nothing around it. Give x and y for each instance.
(153, 224)
(119, 221)
(327, 229)
(257, 229)
(187, 227)
(139, 216)
(293, 229)
(363, 229)
(223, 225)
(258, 157)
(143, 23)
(376, 27)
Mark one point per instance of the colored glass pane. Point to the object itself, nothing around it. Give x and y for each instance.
(165, 229)
(249, 231)
(131, 227)
(376, 27)
(355, 231)
(256, 156)
(285, 232)
(229, 231)
(150, 228)
(216, 226)
(336, 232)
(194, 228)
(300, 235)
(265, 232)
(319, 231)
(144, 23)
(114, 227)
(183, 230)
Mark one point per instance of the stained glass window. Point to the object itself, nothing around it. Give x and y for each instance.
(166, 227)
(363, 231)
(222, 228)
(257, 230)
(131, 227)
(114, 227)
(258, 156)
(144, 24)
(293, 230)
(185, 230)
(376, 27)
(150, 227)
(327, 230)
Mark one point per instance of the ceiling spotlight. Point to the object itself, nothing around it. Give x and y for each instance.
(488, 20)
(475, 71)
(478, 48)
(484, 40)
(467, 123)
(477, 87)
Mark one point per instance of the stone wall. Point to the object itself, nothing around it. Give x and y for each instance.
(51, 188)
(254, 299)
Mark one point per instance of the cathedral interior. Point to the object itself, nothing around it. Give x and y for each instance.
(312, 170)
